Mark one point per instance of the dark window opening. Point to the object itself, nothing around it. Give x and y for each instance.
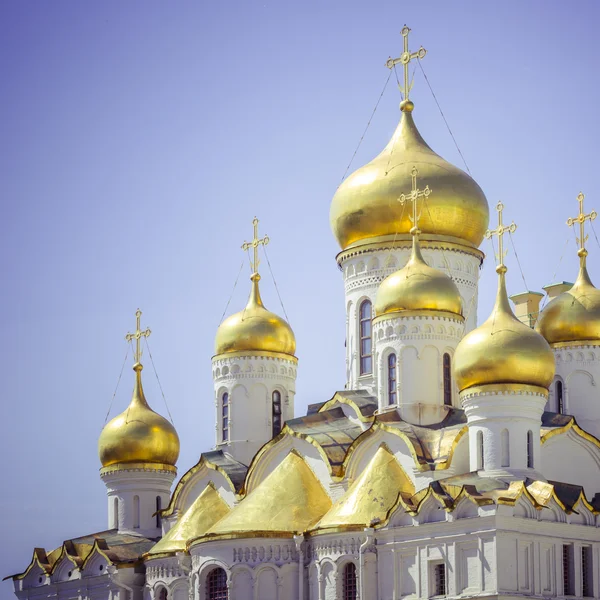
(225, 417)
(392, 379)
(560, 403)
(366, 358)
(568, 579)
(216, 585)
(276, 416)
(447, 380)
(350, 587)
(439, 580)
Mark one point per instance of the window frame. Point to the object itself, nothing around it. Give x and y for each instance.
(392, 379)
(276, 430)
(438, 588)
(530, 452)
(225, 418)
(365, 358)
(568, 566)
(219, 589)
(349, 582)
(447, 378)
(560, 397)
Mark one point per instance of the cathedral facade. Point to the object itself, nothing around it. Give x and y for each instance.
(457, 461)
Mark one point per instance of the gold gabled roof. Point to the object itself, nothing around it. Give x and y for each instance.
(208, 508)
(372, 495)
(290, 500)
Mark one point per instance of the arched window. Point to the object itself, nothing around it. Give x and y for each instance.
(136, 512)
(530, 449)
(162, 594)
(225, 417)
(447, 370)
(504, 445)
(158, 508)
(276, 407)
(216, 585)
(560, 403)
(392, 380)
(480, 451)
(350, 588)
(366, 358)
(116, 513)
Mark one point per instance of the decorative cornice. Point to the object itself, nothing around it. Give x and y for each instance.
(264, 354)
(499, 389)
(138, 466)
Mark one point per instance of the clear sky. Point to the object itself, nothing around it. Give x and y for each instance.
(139, 139)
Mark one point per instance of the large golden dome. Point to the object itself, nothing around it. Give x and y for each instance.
(574, 316)
(366, 206)
(138, 435)
(417, 287)
(503, 350)
(255, 329)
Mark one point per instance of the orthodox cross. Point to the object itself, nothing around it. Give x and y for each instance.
(137, 336)
(500, 231)
(414, 196)
(254, 244)
(581, 218)
(404, 59)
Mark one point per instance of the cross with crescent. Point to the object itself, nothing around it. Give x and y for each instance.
(414, 196)
(581, 218)
(404, 59)
(137, 356)
(254, 244)
(500, 231)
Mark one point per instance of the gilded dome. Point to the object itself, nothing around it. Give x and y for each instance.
(503, 350)
(366, 206)
(417, 287)
(255, 329)
(574, 315)
(138, 435)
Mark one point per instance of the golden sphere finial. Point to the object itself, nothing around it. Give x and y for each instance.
(407, 106)
(582, 252)
(501, 269)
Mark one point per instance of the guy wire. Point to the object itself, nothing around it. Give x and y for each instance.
(518, 261)
(232, 291)
(158, 380)
(275, 282)
(117, 387)
(554, 274)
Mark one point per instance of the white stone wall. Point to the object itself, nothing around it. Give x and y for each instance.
(419, 344)
(132, 488)
(363, 272)
(171, 573)
(250, 382)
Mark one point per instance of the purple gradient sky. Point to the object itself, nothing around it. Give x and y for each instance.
(139, 139)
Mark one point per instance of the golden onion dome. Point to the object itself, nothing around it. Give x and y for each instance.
(574, 315)
(366, 206)
(503, 350)
(138, 435)
(417, 287)
(255, 329)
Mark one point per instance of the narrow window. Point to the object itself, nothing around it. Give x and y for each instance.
(447, 380)
(158, 508)
(392, 380)
(586, 571)
(568, 579)
(530, 449)
(163, 594)
(366, 358)
(560, 405)
(504, 445)
(439, 579)
(276, 416)
(116, 513)
(350, 587)
(225, 417)
(136, 512)
(480, 452)
(216, 585)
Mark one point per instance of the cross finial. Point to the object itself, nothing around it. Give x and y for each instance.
(404, 59)
(414, 196)
(137, 356)
(254, 244)
(581, 218)
(500, 231)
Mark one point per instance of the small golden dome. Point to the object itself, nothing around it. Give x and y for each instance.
(255, 329)
(574, 315)
(503, 350)
(366, 204)
(138, 435)
(417, 287)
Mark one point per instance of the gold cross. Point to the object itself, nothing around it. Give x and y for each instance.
(255, 243)
(500, 231)
(414, 196)
(137, 356)
(404, 60)
(581, 218)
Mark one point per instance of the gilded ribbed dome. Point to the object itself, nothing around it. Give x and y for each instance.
(417, 287)
(503, 350)
(138, 435)
(255, 329)
(366, 206)
(574, 315)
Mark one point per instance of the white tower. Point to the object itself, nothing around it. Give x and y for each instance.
(254, 373)
(373, 228)
(571, 324)
(138, 450)
(418, 323)
(503, 370)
